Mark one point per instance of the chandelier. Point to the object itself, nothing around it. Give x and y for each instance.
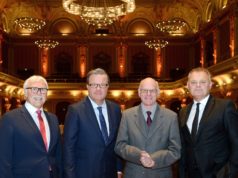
(170, 26)
(156, 44)
(99, 12)
(46, 43)
(29, 23)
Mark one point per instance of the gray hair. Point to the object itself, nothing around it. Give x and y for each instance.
(201, 69)
(97, 71)
(34, 78)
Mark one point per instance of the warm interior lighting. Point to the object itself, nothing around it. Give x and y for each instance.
(171, 26)
(99, 12)
(29, 23)
(156, 44)
(46, 43)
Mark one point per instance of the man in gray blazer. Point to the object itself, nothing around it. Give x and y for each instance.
(148, 137)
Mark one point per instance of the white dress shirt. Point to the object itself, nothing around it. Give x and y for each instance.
(104, 112)
(202, 105)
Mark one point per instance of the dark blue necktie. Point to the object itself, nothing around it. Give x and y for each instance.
(103, 125)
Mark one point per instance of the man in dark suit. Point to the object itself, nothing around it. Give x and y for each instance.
(90, 132)
(209, 131)
(29, 137)
(148, 138)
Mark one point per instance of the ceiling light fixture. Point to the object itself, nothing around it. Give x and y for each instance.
(156, 44)
(170, 26)
(29, 23)
(99, 12)
(46, 43)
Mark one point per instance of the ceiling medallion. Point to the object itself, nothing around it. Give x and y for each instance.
(156, 44)
(171, 26)
(99, 12)
(46, 43)
(30, 23)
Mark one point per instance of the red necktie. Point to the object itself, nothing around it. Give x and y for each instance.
(149, 120)
(42, 128)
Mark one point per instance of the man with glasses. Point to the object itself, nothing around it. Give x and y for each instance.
(90, 132)
(148, 137)
(30, 137)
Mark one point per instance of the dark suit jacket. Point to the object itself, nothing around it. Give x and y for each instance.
(22, 149)
(85, 153)
(216, 142)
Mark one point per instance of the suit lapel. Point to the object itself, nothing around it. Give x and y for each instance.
(207, 110)
(111, 121)
(33, 125)
(140, 121)
(156, 123)
(184, 118)
(51, 128)
(90, 114)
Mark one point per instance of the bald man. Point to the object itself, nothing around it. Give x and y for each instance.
(148, 137)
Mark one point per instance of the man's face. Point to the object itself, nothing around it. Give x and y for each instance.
(36, 93)
(97, 87)
(199, 85)
(148, 92)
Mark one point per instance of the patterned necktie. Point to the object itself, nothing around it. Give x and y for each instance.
(42, 128)
(195, 123)
(149, 120)
(103, 125)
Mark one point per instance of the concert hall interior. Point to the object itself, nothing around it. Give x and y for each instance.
(162, 39)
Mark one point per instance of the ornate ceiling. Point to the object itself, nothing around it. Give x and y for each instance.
(194, 12)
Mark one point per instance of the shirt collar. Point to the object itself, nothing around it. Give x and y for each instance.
(31, 108)
(203, 101)
(152, 110)
(95, 105)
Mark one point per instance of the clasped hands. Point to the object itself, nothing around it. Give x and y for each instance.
(146, 160)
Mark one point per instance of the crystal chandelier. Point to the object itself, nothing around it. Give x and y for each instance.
(29, 23)
(99, 12)
(170, 26)
(156, 44)
(46, 43)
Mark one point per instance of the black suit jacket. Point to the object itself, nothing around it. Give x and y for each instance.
(85, 153)
(216, 142)
(22, 149)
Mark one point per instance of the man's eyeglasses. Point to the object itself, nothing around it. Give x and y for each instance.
(95, 85)
(36, 90)
(146, 91)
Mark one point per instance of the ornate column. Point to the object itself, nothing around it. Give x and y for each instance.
(1, 43)
(232, 36)
(82, 58)
(158, 62)
(215, 45)
(44, 61)
(121, 58)
(236, 31)
(202, 60)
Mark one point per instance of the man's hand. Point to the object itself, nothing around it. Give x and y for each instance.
(146, 160)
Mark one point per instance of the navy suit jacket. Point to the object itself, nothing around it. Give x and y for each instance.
(85, 153)
(22, 149)
(216, 142)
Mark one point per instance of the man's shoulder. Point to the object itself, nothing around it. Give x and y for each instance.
(112, 103)
(133, 109)
(14, 112)
(80, 103)
(167, 111)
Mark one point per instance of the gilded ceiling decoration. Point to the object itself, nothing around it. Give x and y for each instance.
(194, 13)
